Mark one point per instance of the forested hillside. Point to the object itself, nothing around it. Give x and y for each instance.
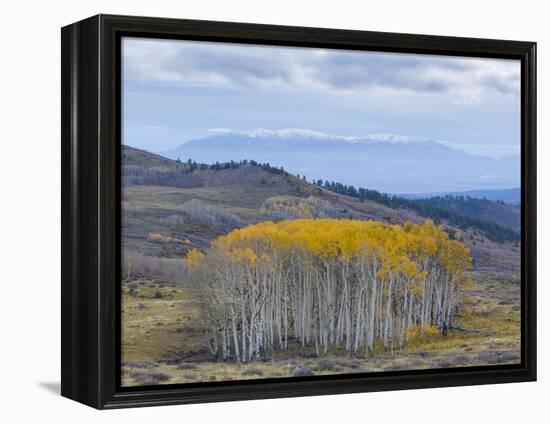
(510, 196)
(498, 221)
(499, 212)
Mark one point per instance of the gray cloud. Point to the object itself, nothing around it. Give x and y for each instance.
(464, 80)
(464, 77)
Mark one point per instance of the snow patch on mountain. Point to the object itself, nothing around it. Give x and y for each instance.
(394, 138)
(289, 133)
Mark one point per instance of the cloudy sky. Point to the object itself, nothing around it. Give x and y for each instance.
(175, 91)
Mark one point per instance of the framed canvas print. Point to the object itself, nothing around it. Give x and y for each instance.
(255, 211)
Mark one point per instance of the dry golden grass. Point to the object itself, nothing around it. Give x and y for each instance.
(158, 328)
(162, 340)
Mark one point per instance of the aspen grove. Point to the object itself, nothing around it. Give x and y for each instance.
(327, 284)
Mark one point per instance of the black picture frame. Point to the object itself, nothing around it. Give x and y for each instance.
(90, 137)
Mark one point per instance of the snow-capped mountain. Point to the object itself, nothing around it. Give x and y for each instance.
(296, 133)
(387, 162)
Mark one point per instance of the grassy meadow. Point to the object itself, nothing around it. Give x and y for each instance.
(163, 330)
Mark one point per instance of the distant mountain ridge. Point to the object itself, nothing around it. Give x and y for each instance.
(386, 162)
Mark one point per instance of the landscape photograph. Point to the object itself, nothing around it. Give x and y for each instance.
(296, 212)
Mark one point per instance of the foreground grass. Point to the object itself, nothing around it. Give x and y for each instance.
(159, 321)
(162, 339)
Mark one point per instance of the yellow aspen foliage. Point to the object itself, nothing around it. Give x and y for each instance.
(155, 237)
(325, 282)
(194, 258)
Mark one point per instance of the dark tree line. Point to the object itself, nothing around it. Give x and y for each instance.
(217, 166)
(183, 174)
(428, 208)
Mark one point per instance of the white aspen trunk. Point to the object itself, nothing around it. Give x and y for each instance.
(244, 332)
(224, 344)
(235, 335)
(358, 321)
(372, 312)
(403, 319)
(387, 320)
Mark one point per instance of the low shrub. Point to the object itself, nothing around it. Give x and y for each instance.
(393, 367)
(302, 371)
(253, 371)
(150, 377)
(489, 357)
(510, 356)
(459, 359)
(327, 365)
(415, 362)
(186, 366)
(333, 364)
(140, 364)
(445, 362)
